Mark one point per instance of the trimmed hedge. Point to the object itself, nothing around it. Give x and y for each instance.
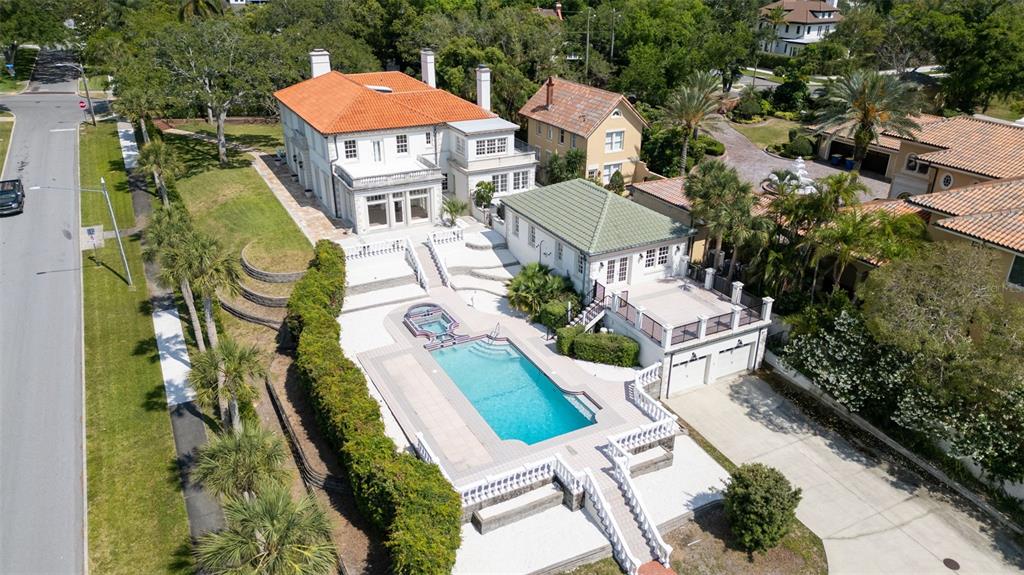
(608, 348)
(406, 498)
(564, 338)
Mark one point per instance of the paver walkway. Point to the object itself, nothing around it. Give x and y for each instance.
(870, 519)
(754, 164)
(187, 423)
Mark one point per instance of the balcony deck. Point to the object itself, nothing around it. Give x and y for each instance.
(395, 171)
(677, 301)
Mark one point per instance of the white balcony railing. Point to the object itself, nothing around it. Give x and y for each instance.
(414, 263)
(426, 172)
(375, 249)
(620, 470)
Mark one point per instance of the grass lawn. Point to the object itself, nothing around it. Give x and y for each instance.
(100, 156)
(97, 85)
(1001, 109)
(235, 205)
(24, 62)
(5, 141)
(773, 131)
(264, 137)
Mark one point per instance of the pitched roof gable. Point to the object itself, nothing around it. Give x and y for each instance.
(336, 103)
(994, 196)
(992, 149)
(592, 219)
(1004, 229)
(576, 108)
(802, 11)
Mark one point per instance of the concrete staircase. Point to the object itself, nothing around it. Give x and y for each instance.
(634, 537)
(429, 267)
(589, 316)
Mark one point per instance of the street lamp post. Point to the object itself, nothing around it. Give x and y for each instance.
(117, 233)
(85, 82)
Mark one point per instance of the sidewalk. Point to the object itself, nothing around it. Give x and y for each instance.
(187, 424)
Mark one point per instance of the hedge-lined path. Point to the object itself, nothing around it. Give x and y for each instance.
(754, 164)
(870, 518)
(187, 420)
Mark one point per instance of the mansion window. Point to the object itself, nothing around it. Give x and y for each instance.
(572, 141)
(515, 225)
(613, 141)
(491, 146)
(558, 251)
(649, 258)
(540, 128)
(500, 182)
(350, 150)
(444, 183)
(561, 136)
(610, 169)
(403, 144)
(428, 138)
(581, 262)
(532, 238)
(1016, 276)
(377, 210)
(662, 255)
(520, 180)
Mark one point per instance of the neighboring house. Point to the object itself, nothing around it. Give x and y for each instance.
(632, 264)
(550, 13)
(667, 196)
(881, 154)
(379, 150)
(804, 22)
(990, 214)
(564, 115)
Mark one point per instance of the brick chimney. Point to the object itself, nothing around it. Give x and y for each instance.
(483, 87)
(319, 62)
(427, 67)
(549, 99)
(558, 10)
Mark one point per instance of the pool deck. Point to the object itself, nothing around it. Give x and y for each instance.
(424, 399)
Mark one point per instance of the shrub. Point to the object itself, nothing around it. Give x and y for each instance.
(761, 506)
(402, 496)
(607, 348)
(712, 147)
(534, 286)
(800, 146)
(564, 338)
(554, 314)
(747, 108)
(483, 194)
(616, 183)
(791, 116)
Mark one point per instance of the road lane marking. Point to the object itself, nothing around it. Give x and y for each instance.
(64, 130)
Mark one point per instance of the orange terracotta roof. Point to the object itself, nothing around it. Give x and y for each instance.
(1004, 229)
(992, 149)
(894, 207)
(994, 196)
(669, 190)
(885, 139)
(800, 11)
(337, 103)
(576, 108)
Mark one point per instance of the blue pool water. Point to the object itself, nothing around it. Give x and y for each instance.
(511, 393)
(436, 327)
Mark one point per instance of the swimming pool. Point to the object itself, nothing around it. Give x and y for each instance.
(511, 393)
(430, 321)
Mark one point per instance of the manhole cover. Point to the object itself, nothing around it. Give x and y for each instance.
(951, 564)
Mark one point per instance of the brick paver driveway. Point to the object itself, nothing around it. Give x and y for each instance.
(754, 164)
(870, 519)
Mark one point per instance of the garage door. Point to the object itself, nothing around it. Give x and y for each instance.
(686, 374)
(732, 361)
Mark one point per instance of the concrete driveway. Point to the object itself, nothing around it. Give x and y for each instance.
(870, 519)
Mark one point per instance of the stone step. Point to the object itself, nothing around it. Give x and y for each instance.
(520, 507)
(381, 284)
(650, 460)
(502, 274)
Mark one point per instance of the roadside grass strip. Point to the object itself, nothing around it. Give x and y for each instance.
(100, 156)
(5, 140)
(24, 64)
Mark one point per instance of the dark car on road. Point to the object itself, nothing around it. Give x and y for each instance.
(12, 197)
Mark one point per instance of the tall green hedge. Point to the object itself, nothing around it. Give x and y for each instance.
(404, 497)
(609, 348)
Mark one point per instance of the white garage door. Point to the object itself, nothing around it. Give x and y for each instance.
(732, 361)
(686, 375)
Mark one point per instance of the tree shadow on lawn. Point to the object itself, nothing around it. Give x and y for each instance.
(198, 156)
(100, 263)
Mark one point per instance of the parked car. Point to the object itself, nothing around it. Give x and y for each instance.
(12, 197)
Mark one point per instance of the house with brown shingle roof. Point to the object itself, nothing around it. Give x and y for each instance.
(564, 115)
(990, 214)
(380, 150)
(803, 22)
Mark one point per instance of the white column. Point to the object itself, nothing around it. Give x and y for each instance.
(666, 342)
(639, 320)
(766, 308)
(736, 309)
(737, 291)
(684, 265)
(709, 277)
(702, 329)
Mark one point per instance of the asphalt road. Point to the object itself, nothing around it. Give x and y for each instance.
(42, 476)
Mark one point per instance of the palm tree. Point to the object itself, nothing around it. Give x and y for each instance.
(213, 269)
(269, 534)
(845, 239)
(453, 208)
(897, 236)
(747, 229)
(200, 9)
(159, 159)
(168, 227)
(864, 104)
(710, 190)
(690, 108)
(229, 367)
(527, 289)
(835, 191)
(238, 464)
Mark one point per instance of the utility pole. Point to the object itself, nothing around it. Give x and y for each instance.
(88, 96)
(586, 62)
(117, 233)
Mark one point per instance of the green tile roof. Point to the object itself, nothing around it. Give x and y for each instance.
(592, 219)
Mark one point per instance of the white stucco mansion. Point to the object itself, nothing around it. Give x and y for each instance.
(379, 150)
(804, 22)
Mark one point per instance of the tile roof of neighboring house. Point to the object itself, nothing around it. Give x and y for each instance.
(885, 140)
(337, 103)
(592, 219)
(992, 149)
(800, 11)
(894, 207)
(576, 108)
(994, 196)
(671, 190)
(1005, 229)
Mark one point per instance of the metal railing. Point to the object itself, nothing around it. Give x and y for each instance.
(719, 323)
(375, 249)
(652, 329)
(417, 267)
(684, 333)
(428, 172)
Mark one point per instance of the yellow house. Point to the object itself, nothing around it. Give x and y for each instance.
(990, 214)
(564, 115)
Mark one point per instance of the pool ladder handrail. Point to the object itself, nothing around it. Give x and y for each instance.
(495, 332)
